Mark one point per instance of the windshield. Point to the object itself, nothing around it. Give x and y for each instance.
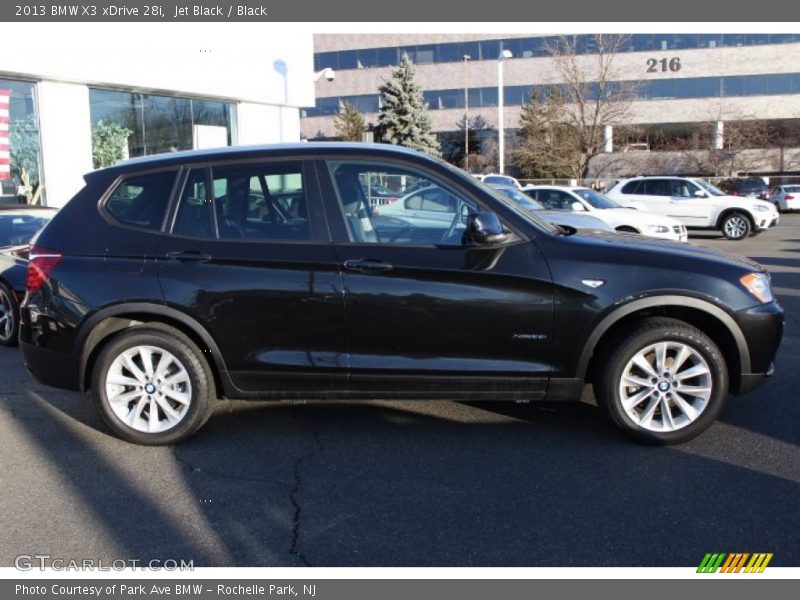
(523, 200)
(714, 191)
(525, 213)
(17, 229)
(596, 199)
(528, 215)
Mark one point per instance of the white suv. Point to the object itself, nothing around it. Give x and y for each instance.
(697, 204)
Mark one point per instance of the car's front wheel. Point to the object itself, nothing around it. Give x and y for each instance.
(736, 226)
(152, 387)
(9, 317)
(664, 382)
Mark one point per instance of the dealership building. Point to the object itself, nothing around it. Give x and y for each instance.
(180, 90)
(680, 82)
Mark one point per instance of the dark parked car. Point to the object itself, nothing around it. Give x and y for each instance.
(171, 281)
(746, 186)
(18, 224)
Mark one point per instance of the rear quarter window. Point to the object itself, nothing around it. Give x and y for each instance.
(141, 200)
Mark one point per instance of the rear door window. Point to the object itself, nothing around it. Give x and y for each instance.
(632, 187)
(261, 201)
(657, 187)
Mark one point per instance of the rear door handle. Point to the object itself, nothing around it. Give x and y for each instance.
(367, 265)
(187, 256)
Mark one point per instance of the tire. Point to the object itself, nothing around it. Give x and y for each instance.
(638, 408)
(181, 406)
(736, 226)
(626, 229)
(9, 317)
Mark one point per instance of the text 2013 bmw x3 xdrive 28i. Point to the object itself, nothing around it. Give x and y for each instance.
(171, 281)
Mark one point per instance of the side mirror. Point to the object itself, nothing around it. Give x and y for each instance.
(700, 194)
(577, 206)
(484, 228)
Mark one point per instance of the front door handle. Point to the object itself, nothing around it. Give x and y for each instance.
(187, 256)
(367, 265)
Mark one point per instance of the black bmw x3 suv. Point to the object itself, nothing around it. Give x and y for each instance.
(268, 272)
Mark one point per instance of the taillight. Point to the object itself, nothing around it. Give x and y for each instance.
(788, 197)
(40, 264)
(734, 193)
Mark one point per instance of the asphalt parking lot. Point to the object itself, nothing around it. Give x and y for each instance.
(411, 484)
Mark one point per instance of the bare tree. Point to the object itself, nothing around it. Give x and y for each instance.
(574, 115)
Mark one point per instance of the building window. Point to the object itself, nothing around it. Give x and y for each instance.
(20, 149)
(536, 46)
(160, 123)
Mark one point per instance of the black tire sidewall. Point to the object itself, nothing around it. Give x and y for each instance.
(13, 340)
(633, 344)
(193, 362)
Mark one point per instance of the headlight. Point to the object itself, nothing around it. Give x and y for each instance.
(758, 284)
(657, 228)
(759, 208)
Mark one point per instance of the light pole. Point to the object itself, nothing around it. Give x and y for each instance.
(467, 58)
(501, 142)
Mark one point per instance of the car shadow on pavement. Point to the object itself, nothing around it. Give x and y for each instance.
(407, 484)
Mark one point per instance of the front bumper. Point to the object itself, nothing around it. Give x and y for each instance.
(762, 327)
(767, 221)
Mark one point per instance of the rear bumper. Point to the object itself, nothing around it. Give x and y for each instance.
(49, 367)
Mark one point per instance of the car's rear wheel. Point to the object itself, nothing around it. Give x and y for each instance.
(626, 229)
(9, 317)
(664, 382)
(736, 226)
(152, 387)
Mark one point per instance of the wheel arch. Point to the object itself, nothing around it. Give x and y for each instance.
(101, 327)
(704, 315)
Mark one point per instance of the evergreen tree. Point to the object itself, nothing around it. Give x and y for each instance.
(403, 118)
(350, 125)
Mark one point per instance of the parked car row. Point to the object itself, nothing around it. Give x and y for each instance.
(264, 272)
(697, 204)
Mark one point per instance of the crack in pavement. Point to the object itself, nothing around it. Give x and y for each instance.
(294, 549)
(193, 469)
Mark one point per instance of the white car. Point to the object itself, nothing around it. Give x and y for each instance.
(785, 197)
(581, 199)
(696, 203)
(427, 207)
(556, 217)
(495, 179)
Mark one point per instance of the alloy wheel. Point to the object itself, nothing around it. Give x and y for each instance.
(148, 389)
(665, 386)
(6, 317)
(736, 227)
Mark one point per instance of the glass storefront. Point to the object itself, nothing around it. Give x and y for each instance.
(22, 181)
(156, 123)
